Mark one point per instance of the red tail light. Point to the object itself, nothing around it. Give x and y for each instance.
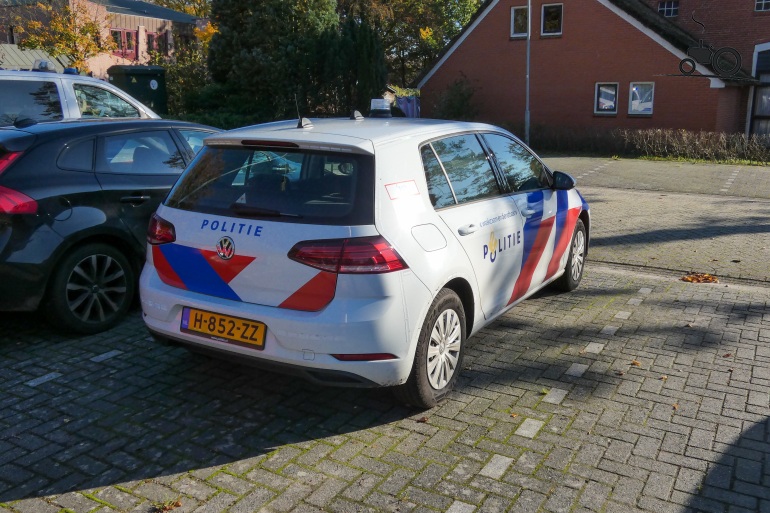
(6, 159)
(362, 255)
(14, 202)
(160, 231)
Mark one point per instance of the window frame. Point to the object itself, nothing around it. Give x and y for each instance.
(518, 35)
(762, 5)
(668, 8)
(500, 172)
(122, 49)
(543, 33)
(631, 99)
(597, 88)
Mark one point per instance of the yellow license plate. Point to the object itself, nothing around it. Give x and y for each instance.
(223, 328)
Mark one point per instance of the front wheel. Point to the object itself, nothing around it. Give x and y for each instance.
(439, 354)
(91, 289)
(573, 271)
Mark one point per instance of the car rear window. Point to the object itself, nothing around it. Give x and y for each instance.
(314, 187)
(29, 99)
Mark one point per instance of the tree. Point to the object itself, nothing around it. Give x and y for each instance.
(263, 51)
(413, 31)
(199, 8)
(78, 29)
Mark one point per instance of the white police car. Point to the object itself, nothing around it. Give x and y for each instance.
(358, 252)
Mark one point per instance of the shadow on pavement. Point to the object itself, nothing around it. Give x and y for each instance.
(737, 478)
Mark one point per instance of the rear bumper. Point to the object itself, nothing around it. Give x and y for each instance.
(22, 287)
(303, 343)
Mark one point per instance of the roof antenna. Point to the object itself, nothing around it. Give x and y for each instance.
(303, 122)
(356, 115)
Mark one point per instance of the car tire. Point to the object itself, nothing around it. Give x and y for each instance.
(91, 290)
(439, 355)
(573, 271)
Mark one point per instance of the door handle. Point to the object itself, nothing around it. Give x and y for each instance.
(467, 229)
(134, 199)
(527, 212)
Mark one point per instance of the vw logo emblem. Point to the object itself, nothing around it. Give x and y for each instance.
(225, 248)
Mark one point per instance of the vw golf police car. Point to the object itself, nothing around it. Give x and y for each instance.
(358, 252)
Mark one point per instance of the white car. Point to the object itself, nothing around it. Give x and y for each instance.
(32, 96)
(358, 252)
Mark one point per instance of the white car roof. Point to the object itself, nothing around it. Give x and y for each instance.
(361, 133)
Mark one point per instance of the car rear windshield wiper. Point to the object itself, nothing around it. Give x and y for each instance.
(242, 209)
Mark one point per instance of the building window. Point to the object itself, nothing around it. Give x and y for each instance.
(520, 22)
(606, 98)
(762, 5)
(156, 42)
(640, 98)
(125, 42)
(552, 18)
(670, 9)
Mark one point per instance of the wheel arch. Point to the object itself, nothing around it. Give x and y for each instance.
(463, 289)
(586, 218)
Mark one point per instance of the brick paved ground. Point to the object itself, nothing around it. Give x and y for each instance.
(636, 392)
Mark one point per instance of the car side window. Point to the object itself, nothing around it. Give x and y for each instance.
(194, 138)
(78, 156)
(97, 102)
(522, 170)
(29, 99)
(465, 162)
(438, 187)
(151, 153)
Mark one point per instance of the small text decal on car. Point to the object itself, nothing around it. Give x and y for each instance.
(231, 227)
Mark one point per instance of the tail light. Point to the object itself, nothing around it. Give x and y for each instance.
(7, 158)
(160, 231)
(362, 255)
(14, 202)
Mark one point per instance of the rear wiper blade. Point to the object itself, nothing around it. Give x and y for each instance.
(247, 210)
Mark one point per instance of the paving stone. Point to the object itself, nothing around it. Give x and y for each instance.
(496, 466)
(529, 428)
(555, 396)
(576, 370)
(594, 347)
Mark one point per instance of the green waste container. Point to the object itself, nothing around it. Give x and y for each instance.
(145, 83)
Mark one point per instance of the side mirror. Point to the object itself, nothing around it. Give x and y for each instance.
(562, 181)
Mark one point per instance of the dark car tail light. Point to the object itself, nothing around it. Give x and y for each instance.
(160, 231)
(14, 202)
(362, 255)
(7, 158)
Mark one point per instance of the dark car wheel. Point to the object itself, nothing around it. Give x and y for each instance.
(91, 290)
(439, 355)
(573, 271)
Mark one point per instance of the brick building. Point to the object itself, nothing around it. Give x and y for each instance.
(602, 64)
(137, 27)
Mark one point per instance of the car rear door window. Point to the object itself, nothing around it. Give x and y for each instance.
(465, 162)
(522, 170)
(153, 152)
(194, 138)
(37, 100)
(77, 156)
(97, 102)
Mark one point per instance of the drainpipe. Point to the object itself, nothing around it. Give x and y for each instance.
(526, 94)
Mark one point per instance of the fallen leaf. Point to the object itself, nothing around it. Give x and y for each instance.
(620, 373)
(700, 278)
(636, 363)
(676, 406)
(736, 261)
(727, 355)
(730, 369)
(715, 260)
(688, 325)
(514, 415)
(422, 420)
(663, 378)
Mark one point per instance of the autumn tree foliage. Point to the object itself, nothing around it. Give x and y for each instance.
(78, 29)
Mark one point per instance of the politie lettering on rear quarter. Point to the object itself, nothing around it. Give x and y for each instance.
(232, 227)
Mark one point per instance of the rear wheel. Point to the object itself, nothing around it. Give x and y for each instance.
(573, 271)
(439, 355)
(91, 290)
